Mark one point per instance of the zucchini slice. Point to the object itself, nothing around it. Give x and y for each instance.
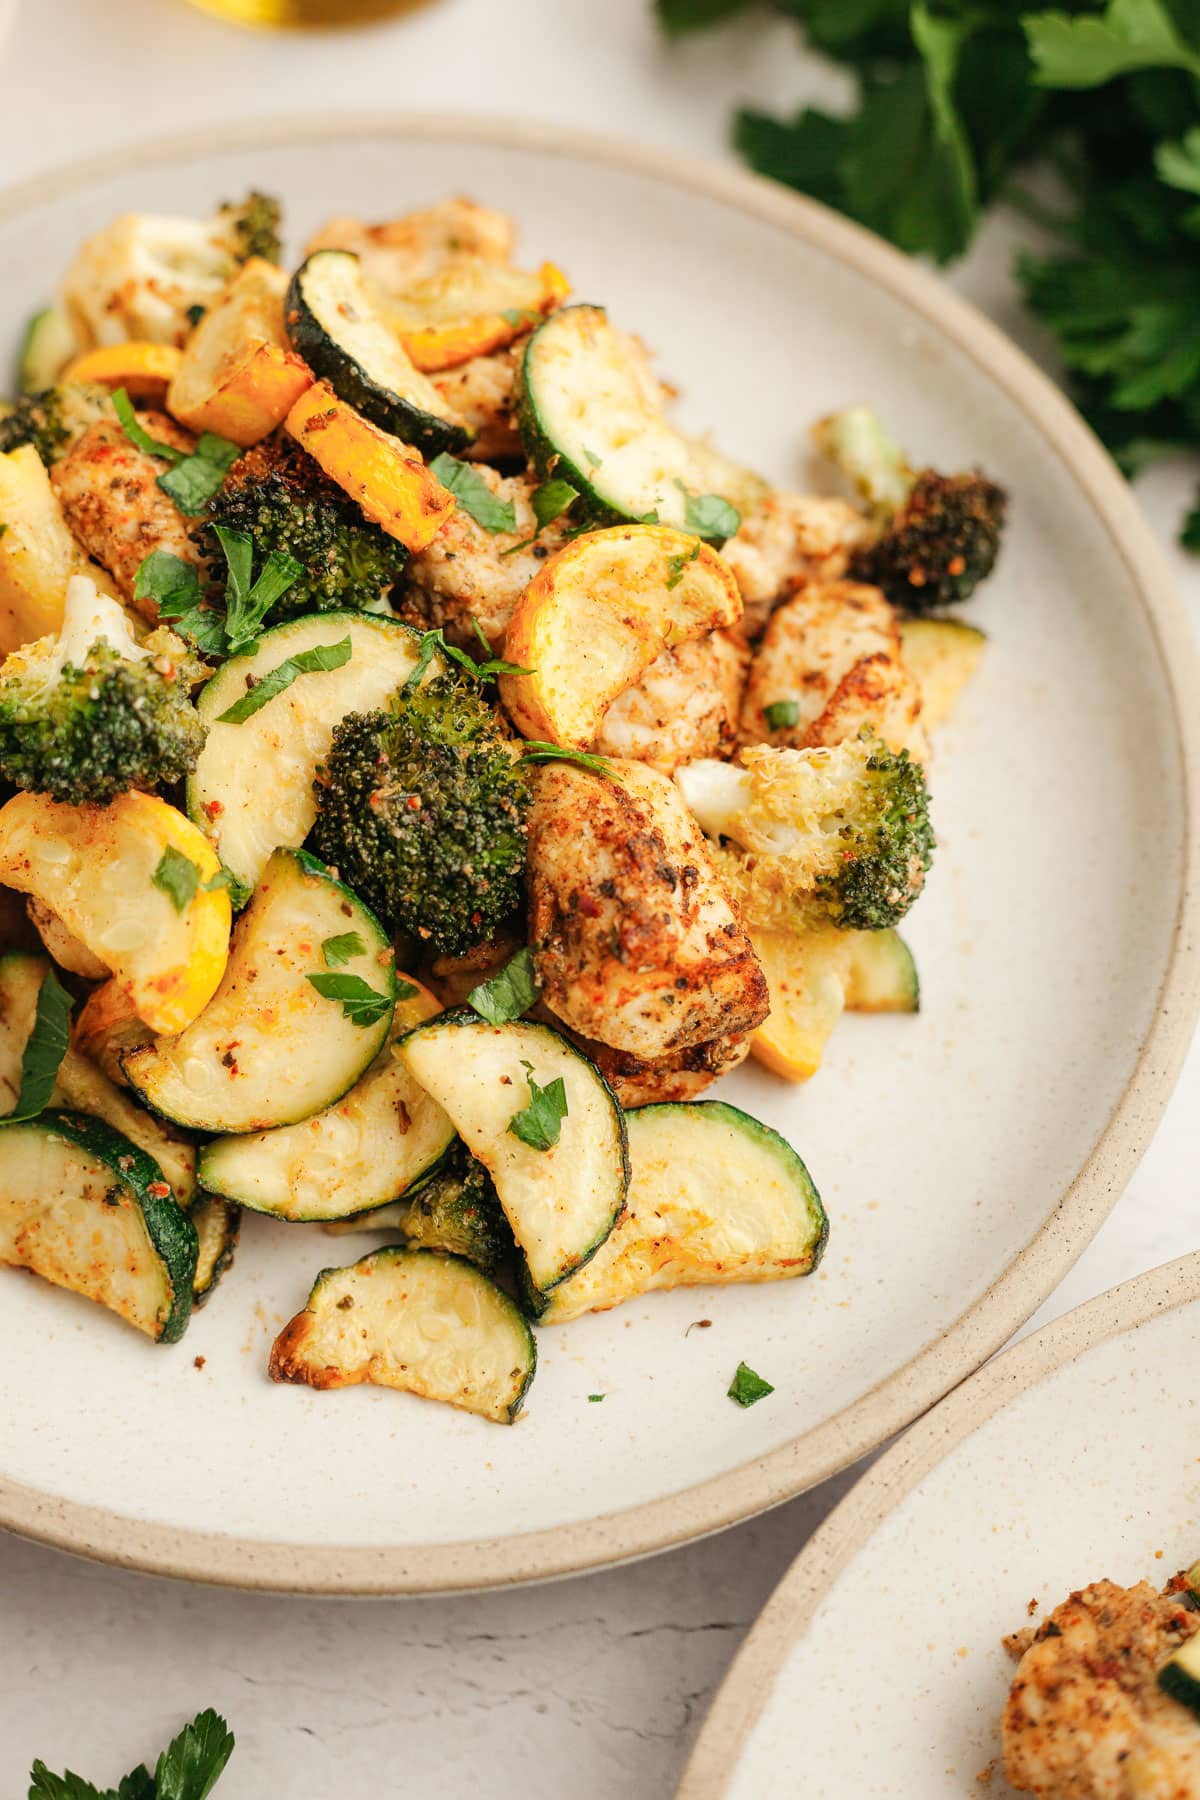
(1180, 1675)
(589, 414)
(379, 1140)
(269, 1049)
(943, 655)
(561, 1202)
(881, 975)
(252, 789)
(46, 349)
(714, 1197)
(217, 1226)
(86, 1209)
(81, 1086)
(418, 1320)
(334, 324)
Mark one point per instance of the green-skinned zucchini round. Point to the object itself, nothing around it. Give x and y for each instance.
(270, 1048)
(333, 323)
(83, 1207)
(563, 1201)
(217, 1225)
(418, 1320)
(714, 1196)
(589, 414)
(1180, 1675)
(882, 975)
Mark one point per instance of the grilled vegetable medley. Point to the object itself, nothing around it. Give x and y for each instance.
(425, 770)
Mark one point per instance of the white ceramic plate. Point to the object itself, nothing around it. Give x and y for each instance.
(965, 1156)
(876, 1668)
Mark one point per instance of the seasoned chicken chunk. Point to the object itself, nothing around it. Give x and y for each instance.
(635, 941)
(787, 541)
(1085, 1718)
(466, 574)
(833, 653)
(109, 493)
(415, 246)
(685, 706)
(683, 1076)
(482, 392)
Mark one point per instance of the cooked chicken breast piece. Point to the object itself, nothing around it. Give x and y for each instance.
(686, 705)
(466, 574)
(788, 541)
(683, 1076)
(408, 249)
(109, 493)
(482, 393)
(1085, 1718)
(635, 941)
(833, 652)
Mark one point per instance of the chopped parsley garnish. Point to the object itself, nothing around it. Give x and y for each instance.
(305, 662)
(747, 1388)
(708, 515)
(174, 586)
(237, 890)
(473, 493)
(595, 1399)
(540, 1123)
(780, 714)
(137, 434)
(677, 564)
(44, 1050)
(361, 1003)
(549, 502)
(433, 642)
(188, 1769)
(195, 475)
(177, 876)
(340, 950)
(535, 751)
(509, 994)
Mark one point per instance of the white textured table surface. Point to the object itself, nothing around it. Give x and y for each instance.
(592, 1686)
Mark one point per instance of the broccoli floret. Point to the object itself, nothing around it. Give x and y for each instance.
(91, 713)
(939, 535)
(252, 227)
(422, 810)
(841, 833)
(280, 497)
(458, 1210)
(52, 421)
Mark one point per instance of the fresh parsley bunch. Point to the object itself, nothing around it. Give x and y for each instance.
(188, 1769)
(955, 99)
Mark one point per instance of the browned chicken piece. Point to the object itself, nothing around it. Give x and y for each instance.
(788, 541)
(683, 1076)
(833, 652)
(685, 706)
(1085, 1718)
(465, 573)
(482, 392)
(402, 251)
(635, 941)
(109, 493)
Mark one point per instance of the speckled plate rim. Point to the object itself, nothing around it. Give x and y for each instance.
(740, 1493)
(790, 1610)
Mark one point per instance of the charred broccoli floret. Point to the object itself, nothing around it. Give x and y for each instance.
(278, 495)
(422, 810)
(939, 535)
(458, 1210)
(841, 833)
(52, 421)
(252, 226)
(91, 713)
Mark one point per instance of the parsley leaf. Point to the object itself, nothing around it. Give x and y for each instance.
(192, 483)
(137, 1785)
(305, 662)
(780, 714)
(540, 1123)
(747, 1388)
(174, 587)
(473, 493)
(44, 1050)
(549, 502)
(190, 1765)
(45, 1786)
(177, 876)
(246, 604)
(434, 641)
(508, 994)
(137, 434)
(677, 564)
(361, 1003)
(1079, 52)
(339, 950)
(238, 891)
(535, 751)
(594, 1399)
(709, 516)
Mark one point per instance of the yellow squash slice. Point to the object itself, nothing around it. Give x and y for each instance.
(472, 309)
(943, 655)
(237, 376)
(95, 867)
(806, 974)
(38, 555)
(598, 614)
(144, 370)
(387, 478)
